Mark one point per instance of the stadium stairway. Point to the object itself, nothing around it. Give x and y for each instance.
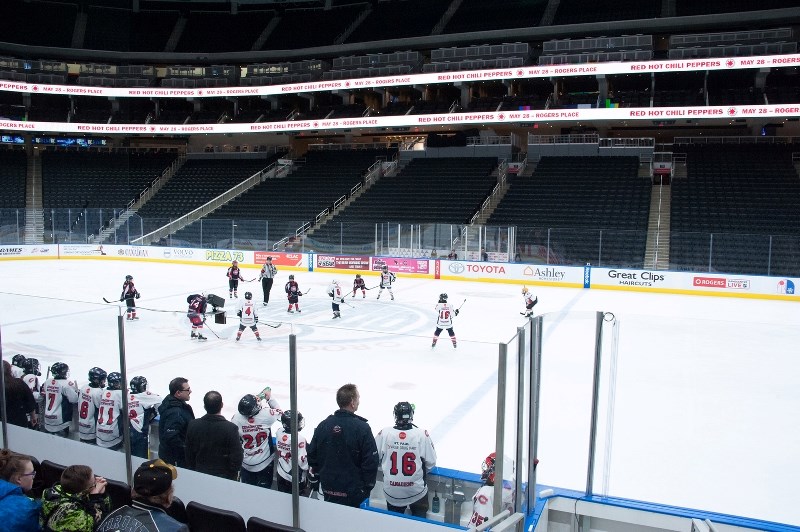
(656, 255)
(34, 213)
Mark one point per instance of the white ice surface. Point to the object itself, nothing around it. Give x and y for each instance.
(701, 411)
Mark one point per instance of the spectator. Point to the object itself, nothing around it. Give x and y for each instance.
(76, 504)
(20, 404)
(484, 255)
(406, 444)
(452, 255)
(152, 494)
(212, 442)
(175, 415)
(17, 511)
(342, 453)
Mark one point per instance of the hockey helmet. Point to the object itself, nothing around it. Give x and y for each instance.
(138, 384)
(248, 295)
(358, 276)
(60, 370)
(97, 377)
(249, 405)
(334, 282)
(291, 277)
(403, 413)
(32, 366)
(129, 277)
(442, 298)
(487, 468)
(18, 360)
(385, 268)
(236, 263)
(524, 289)
(286, 421)
(114, 380)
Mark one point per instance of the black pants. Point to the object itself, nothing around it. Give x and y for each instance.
(418, 508)
(266, 284)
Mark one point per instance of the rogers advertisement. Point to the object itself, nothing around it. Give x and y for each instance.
(400, 265)
(342, 263)
(279, 258)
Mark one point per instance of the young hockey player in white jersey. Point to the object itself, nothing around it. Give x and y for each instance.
(60, 394)
(87, 405)
(337, 296)
(18, 365)
(387, 278)
(142, 405)
(31, 378)
(109, 420)
(406, 455)
(530, 301)
(283, 442)
(483, 500)
(444, 320)
(248, 316)
(254, 421)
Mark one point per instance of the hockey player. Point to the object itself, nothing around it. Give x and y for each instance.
(142, 405)
(387, 278)
(283, 441)
(407, 456)
(267, 276)
(483, 500)
(18, 365)
(248, 316)
(129, 294)
(88, 402)
(254, 422)
(31, 378)
(196, 314)
(109, 410)
(293, 293)
(60, 394)
(444, 320)
(358, 284)
(530, 301)
(337, 296)
(234, 276)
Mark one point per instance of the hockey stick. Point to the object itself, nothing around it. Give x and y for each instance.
(304, 293)
(462, 304)
(273, 326)
(212, 331)
(344, 302)
(376, 286)
(107, 301)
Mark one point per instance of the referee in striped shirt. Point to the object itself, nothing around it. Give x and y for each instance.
(267, 276)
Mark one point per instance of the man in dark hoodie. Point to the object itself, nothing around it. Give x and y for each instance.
(213, 445)
(175, 415)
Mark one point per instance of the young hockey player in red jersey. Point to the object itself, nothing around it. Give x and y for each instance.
(293, 293)
(358, 284)
(234, 276)
(129, 293)
(197, 309)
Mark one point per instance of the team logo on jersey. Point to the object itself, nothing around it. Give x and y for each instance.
(483, 499)
(285, 437)
(337, 429)
(108, 394)
(402, 435)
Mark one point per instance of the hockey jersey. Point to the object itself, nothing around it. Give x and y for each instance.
(483, 504)
(110, 417)
(335, 291)
(256, 437)
(444, 315)
(87, 411)
(404, 456)
(248, 314)
(60, 395)
(283, 442)
(138, 406)
(387, 278)
(33, 383)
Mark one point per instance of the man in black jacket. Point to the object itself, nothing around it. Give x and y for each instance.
(343, 454)
(213, 445)
(175, 415)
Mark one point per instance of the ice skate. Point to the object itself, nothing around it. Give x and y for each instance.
(298, 310)
(258, 338)
(454, 345)
(235, 295)
(238, 338)
(264, 303)
(290, 311)
(392, 298)
(379, 296)
(201, 337)
(364, 296)
(194, 334)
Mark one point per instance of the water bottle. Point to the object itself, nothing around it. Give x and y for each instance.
(436, 504)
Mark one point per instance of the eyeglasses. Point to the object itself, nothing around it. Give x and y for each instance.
(187, 390)
(32, 474)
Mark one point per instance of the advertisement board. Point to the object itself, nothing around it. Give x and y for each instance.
(400, 265)
(341, 262)
(279, 258)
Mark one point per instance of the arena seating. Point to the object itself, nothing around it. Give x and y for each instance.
(477, 15)
(575, 199)
(287, 203)
(748, 197)
(441, 190)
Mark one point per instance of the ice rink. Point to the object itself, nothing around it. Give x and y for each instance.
(699, 406)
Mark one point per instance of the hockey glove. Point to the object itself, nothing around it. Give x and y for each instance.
(256, 318)
(313, 481)
(239, 313)
(122, 299)
(456, 312)
(341, 300)
(330, 294)
(138, 295)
